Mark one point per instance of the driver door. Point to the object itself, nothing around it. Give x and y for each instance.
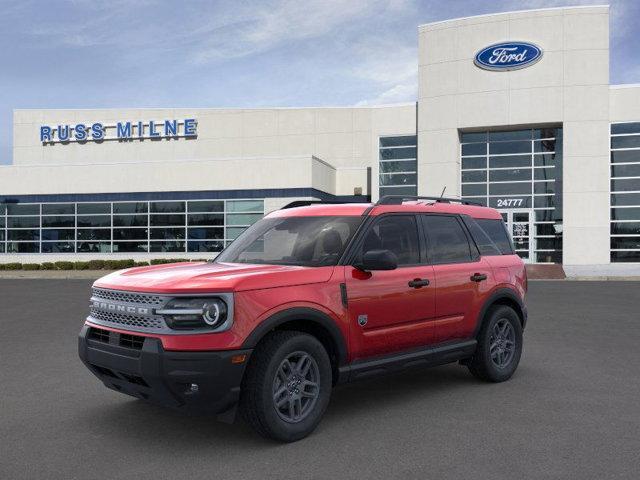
(386, 313)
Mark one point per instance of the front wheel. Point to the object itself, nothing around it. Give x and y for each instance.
(287, 386)
(499, 346)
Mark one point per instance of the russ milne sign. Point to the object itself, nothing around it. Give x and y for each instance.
(96, 132)
(508, 56)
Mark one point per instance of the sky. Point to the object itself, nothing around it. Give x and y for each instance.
(237, 53)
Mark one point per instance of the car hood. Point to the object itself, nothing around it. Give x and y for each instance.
(203, 277)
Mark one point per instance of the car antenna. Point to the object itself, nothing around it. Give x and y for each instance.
(442, 194)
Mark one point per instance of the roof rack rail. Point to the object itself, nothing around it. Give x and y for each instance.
(398, 199)
(306, 203)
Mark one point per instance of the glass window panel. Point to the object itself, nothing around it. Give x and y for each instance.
(631, 141)
(66, 234)
(94, 247)
(544, 187)
(632, 127)
(548, 145)
(23, 247)
(548, 257)
(2, 247)
(544, 159)
(23, 234)
(93, 208)
(474, 176)
(509, 188)
(474, 149)
(398, 191)
(94, 234)
(167, 233)
(130, 207)
(479, 162)
(2, 238)
(206, 219)
(234, 232)
(3, 208)
(545, 229)
(629, 256)
(549, 243)
(58, 247)
(398, 141)
(167, 220)
(176, 246)
(167, 207)
(130, 247)
(398, 179)
(474, 189)
(631, 199)
(206, 206)
(398, 153)
(401, 166)
(2, 222)
(510, 175)
(206, 233)
(509, 147)
(448, 242)
(245, 206)
(625, 156)
(510, 135)
(243, 218)
(23, 222)
(396, 233)
(510, 161)
(625, 228)
(627, 243)
(58, 221)
(545, 215)
(94, 221)
(23, 209)
(546, 133)
(543, 202)
(130, 220)
(632, 184)
(625, 213)
(205, 246)
(544, 173)
(497, 232)
(480, 200)
(129, 233)
(468, 137)
(625, 170)
(58, 209)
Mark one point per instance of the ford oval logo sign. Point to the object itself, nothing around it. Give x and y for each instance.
(508, 56)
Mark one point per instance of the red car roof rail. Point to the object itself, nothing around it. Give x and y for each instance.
(399, 199)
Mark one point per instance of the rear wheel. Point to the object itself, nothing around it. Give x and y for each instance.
(287, 386)
(499, 346)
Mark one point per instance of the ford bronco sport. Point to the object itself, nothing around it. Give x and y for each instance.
(310, 297)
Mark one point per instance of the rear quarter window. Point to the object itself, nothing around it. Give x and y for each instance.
(496, 231)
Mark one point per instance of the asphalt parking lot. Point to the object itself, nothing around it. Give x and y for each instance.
(571, 411)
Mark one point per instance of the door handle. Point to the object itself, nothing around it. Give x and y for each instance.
(418, 282)
(478, 277)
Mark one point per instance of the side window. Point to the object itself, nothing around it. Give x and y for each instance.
(447, 241)
(485, 244)
(497, 231)
(398, 234)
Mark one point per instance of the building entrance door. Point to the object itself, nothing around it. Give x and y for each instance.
(520, 226)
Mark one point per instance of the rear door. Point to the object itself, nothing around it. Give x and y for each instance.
(462, 277)
(391, 310)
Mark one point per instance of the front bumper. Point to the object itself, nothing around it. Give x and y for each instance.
(140, 367)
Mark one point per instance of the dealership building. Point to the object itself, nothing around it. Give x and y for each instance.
(514, 110)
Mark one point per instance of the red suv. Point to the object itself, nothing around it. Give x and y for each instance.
(309, 297)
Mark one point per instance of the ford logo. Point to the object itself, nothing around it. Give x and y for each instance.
(508, 56)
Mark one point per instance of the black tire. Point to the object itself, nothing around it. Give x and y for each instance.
(259, 386)
(485, 363)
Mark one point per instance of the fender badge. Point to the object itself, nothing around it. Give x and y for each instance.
(362, 320)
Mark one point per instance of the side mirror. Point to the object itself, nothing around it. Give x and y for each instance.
(378, 260)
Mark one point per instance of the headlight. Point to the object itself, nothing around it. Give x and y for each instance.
(192, 313)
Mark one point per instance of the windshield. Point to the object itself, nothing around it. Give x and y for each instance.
(303, 241)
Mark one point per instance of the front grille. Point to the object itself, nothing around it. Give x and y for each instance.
(127, 297)
(131, 341)
(128, 320)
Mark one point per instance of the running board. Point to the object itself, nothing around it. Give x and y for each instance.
(426, 357)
